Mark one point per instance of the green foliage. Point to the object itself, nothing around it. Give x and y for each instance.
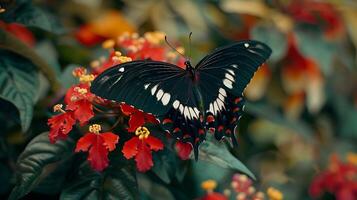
(116, 182)
(19, 84)
(216, 152)
(39, 159)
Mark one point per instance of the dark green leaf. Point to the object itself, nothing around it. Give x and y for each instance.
(217, 153)
(39, 159)
(19, 82)
(29, 15)
(117, 182)
(11, 43)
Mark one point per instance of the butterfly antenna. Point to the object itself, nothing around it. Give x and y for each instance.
(168, 43)
(189, 44)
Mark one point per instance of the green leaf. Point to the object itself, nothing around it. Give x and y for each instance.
(274, 38)
(11, 43)
(29, 15)
(66, 78)
(37, 161)
(217, 153)
(19, 82)
(117, 182)
(312, 44)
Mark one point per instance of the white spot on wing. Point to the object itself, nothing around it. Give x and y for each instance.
(192, 113)
(187, 113)
(235, 66)
(181, 108)
(165, 99)
(121, 69)
(146, 86)
(221, 97)
(159, 94)
(196, 111)
(231, 72)
(211, 108)
(223, 92)
(216, 108)
(228, 76)
(228, 83)
(176, 104)
(246, 45)
(153, 90)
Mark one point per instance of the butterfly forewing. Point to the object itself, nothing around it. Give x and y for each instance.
(148, 85)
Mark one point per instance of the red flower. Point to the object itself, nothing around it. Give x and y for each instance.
(78, 99)
(137, 118)
(60, 126)
(20, 31)
(140, 147)
(339, 179)
(98, 145)
(86, 37)
(183, 150)
(214, 196)
(318, 13)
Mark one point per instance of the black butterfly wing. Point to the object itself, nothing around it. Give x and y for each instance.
(223, 76)
(151, 86)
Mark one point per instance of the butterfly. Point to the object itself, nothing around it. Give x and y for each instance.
(190, 101)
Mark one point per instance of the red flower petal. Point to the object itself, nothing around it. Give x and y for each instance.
(151, 119)
(85, 142)
(98, 154)
(183, 150)
(214, 196)
(86, 36)
(84, 111)
(60, 126)
(98, 145)
(136, 119)
(110, 140)
(22, 33)
(143, 158)
(154, 143)
(130, 148)
(127, 109)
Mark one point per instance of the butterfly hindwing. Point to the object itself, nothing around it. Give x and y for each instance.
(223, 76)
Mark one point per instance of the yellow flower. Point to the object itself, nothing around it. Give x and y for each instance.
(95, 128)
(274, 194)
(209, 185)
(142, 132)
(352, 158)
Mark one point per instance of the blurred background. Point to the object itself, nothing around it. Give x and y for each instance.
(301, 113)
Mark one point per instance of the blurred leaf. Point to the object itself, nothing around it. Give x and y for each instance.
(29, 15)
(267, 112)
(49, 54)
(153, 190)
(118, 181)
(273, 37)
(312, 44)
(19, 82)
(217, 153)
(168, 166)
(11, 43)
(37, 161)
(66, 78)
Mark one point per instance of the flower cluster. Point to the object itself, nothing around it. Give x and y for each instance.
(241, 189)
(82, 106)
(339, 179)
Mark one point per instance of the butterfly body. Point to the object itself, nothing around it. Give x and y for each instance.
(207, 97)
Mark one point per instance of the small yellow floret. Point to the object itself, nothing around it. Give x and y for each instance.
(87, 78)
(274, 194)
(352, 158)
(209, 185)
(57, 107)
(142, 132)
(95, 128)
(108, 44)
